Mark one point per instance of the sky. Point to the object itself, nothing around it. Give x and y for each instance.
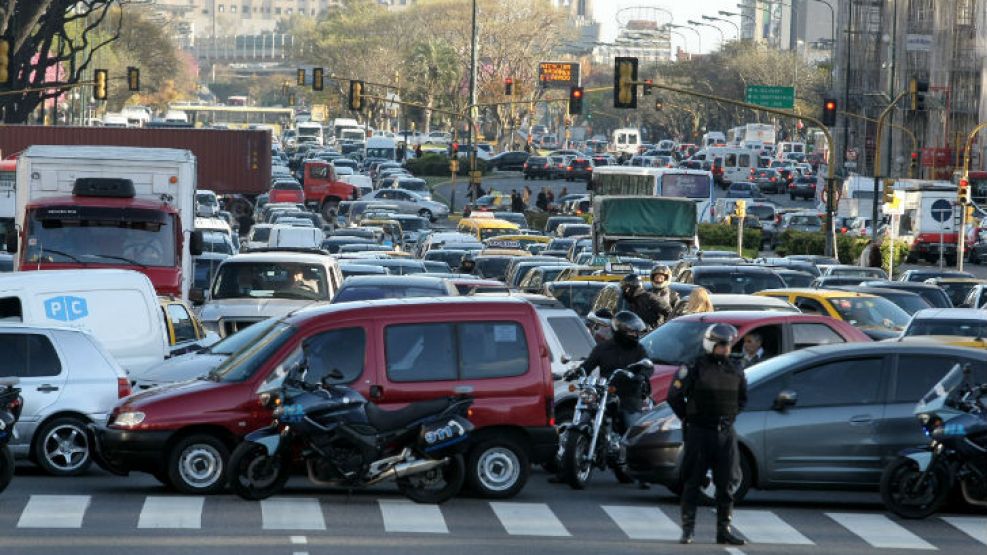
(605, 12)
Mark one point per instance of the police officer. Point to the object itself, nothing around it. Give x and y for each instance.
(661, 277)
(707, 396)
(648, 306)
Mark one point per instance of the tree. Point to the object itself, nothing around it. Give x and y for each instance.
(45, 57)
(436, 63)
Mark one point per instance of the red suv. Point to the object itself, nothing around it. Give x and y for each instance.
(393, 352)
(680, 340)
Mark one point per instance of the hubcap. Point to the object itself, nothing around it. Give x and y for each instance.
(66, 448)
(499, 469)
(583, 458)
(200, 465)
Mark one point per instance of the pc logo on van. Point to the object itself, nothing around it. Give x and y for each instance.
(66, 308)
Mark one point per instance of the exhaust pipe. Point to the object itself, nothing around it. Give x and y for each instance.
(404, 470)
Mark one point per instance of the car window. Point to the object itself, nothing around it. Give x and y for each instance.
(340, 349)
(840, 382)
(575, 339)
(420, 352)
(181, 323)
(28, 355)
(492, 350)
(918, 373)
(810, 306)
(808, 335)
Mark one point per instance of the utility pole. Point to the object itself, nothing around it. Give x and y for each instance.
(474, 184)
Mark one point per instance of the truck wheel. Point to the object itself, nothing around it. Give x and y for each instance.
(197, 464)
(329, 210)
(497, 468)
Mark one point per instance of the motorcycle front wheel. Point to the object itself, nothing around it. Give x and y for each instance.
(6, 467)
(254, 474)
(577, 461)
(904, 496)
(437, 485)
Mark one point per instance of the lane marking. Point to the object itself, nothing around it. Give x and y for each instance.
(288, 513)
(767, 527)
(528, 519)
(880, 531)
(644, 523)
(54, 511)
(171, 512)
(973, 526)
(299, 540)
(734, 551)
(401, 515)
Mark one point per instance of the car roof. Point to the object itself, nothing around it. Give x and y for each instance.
(728, 268)
(818, 293)
(280, 256)
(727, 299)
(895, 284)
(391, 280)
(883, 347)
(879, 291)
(470, 304)
(951, 314)
(740, 317)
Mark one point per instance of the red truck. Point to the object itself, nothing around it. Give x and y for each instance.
(323, 189)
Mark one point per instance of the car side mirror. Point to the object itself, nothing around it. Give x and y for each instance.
(786, 398)
(11, 241)
(565, 359)
(195, 243)
(197, 295)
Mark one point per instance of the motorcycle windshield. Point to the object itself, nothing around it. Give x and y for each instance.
(936, 398)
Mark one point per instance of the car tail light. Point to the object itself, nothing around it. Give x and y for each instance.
(123, 388)
(14, 406)
(791, 185)
(550, 409)
(525, 165)
(568, 169)
(774, 179)
(813, 185)
(589, 169)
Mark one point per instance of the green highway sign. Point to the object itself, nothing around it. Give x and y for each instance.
(771, 97)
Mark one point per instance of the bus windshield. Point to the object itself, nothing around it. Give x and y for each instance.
(694, 186)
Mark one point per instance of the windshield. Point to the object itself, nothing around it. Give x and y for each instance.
(204, 269)
(909, 303)
(675, 343)
(686, 185)
(813, 221)
(652, 250)
(761, 212)
(575, 339)
(493, 268)
(957, 291)
(206, 199)
(741, 283)
(215, 241)
(252, 354)
(260, 234)
(488, 232)
(942, 326)
(858, 272)
(233, 343)
(387, 153)
(370, 292)
(866, 312)
(101, 235)
(579, 299)
(280, 280)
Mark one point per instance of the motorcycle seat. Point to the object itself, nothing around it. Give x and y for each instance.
(387, 420)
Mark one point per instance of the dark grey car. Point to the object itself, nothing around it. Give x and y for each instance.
(827, 417)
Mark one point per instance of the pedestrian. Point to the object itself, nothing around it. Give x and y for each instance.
(565, 191)
(707, 396)
(871, 255)
(550, 198)
(517, 205)
(526, 196)
(418, 151)
(542, 201)
(698, 302)
(753, 350)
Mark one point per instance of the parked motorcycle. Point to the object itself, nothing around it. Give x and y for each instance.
(343, 440)
(592, 438)
(954, 415)
(10, 410)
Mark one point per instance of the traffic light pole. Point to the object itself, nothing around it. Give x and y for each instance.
(877, 161)
(967, 153)
(901, 128)
(831, 247)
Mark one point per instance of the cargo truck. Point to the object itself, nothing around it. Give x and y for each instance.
(108, 207)
(648, 226)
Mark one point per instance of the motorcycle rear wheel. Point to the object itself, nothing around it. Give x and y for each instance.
(900, 477)
(577, 461)
(254, 474)
(6, 467)
(437, 485)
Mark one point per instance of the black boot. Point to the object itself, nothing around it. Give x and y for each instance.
(724, 535)
(688, 525)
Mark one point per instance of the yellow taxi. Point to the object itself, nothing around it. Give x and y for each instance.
(486, 228)
(876, 316)
(185, 331)
(504, 252)
(958, 327)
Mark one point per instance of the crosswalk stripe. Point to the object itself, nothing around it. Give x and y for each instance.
(767, 527)
(880, 531)
(643, 523)
(401, 515)
(288, 513)
(54, 511)
(171, 512)
(973, 526)
(528, 519)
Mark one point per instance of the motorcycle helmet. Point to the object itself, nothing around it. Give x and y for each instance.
(718, 334)
(627, 327)
(630, 285)
(661, 269)
(467, 265)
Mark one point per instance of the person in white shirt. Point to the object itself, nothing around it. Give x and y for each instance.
(753, 350)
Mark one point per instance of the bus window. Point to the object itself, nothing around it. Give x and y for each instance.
(745, 160)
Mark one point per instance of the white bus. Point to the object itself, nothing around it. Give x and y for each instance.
(695, 185)
(626, 140)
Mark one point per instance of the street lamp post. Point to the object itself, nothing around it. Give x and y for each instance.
(712, 18)
(472, 107)
(723, 37)
(832, 40)
(699, 36)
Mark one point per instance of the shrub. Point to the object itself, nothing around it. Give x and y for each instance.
(438, 165)
(725, 234)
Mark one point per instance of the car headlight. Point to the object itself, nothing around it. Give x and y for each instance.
(128, 419)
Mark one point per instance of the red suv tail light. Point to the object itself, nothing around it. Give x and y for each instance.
(123, 388)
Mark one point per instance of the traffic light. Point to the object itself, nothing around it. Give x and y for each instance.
(300, 81)
(916, 92)
(829, 112)
(964, 192)
(133, 79)
(356, 96)
(624, 77)
(741, 209)
(576, 100)
(4, 61)
(646, 88)
(508, 86)
(916, 161)
(317, 81)
(454, 147)
(888, 191)
(659, 105)
(99, 84)
(291, 99)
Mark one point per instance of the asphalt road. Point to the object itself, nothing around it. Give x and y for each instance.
(102, 514)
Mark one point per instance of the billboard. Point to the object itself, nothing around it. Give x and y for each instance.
(558, 74)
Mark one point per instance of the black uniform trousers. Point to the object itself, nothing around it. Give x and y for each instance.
(708, 448)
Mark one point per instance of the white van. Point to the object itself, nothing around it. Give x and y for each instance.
(784, 148)
(118, 307)
(737, 162)
(289, 237)
(714, 138)
(626, 140)
(381, 147)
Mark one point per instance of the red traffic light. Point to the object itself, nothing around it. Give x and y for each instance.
(577, 93)
(508, 81)
(964, 183)
(831, 105)
(914, 156)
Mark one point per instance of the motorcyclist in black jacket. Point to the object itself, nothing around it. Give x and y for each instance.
(620, 351)
(648, 306)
